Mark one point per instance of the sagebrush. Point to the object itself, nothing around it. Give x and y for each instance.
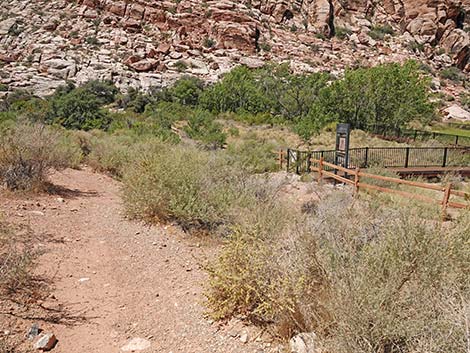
(364, 279)
(29, 152)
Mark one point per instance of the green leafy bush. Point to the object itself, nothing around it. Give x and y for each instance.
(185, 91)
(267, 92)
(236, 92)
(203, 127)
(81, 108)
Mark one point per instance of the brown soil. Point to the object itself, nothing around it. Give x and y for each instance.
(113, 279)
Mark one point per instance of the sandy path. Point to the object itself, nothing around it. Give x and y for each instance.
(120, 279)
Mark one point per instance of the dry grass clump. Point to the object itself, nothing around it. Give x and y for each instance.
(366, 279)
(29, 152)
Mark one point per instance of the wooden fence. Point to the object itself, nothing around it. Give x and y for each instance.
(354, 177)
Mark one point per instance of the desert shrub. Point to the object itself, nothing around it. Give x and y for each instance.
(452, 73)
(379, 32)
(254, 154)
(376, 169)
(209, 42)
(203, 127)
(390, 274)
(23, 103)
(192, 187)
(415, 46)
(28, 152)
(365, 279)
(16, 259)
(465, 99)
(342, 32)
(180, 65)
(82, 108)
(110, 153)
(262, 273)
(70, 147)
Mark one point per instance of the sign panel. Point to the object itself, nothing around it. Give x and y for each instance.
(343, 132)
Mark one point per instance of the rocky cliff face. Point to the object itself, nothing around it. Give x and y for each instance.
(147, 43)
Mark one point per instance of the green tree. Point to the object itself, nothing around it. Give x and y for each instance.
(383, 97)
(237, 92)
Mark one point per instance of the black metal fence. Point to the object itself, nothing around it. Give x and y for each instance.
(386, 157)
(420, 135)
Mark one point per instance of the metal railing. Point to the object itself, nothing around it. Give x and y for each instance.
(421, 135)
(386, 157)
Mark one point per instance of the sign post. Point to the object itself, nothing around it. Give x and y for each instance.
(343, 132)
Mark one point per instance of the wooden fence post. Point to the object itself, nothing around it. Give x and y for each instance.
(356, 181)
(320, 170)
(281, 158)
(445, 201)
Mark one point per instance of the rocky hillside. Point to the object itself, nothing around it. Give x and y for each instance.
(149, 43)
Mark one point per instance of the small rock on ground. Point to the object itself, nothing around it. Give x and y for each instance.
(46, 342)
(303, 343)
(136, 344)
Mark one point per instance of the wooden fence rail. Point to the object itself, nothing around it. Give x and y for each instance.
(318, 165)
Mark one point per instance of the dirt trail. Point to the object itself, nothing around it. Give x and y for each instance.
(119, 279)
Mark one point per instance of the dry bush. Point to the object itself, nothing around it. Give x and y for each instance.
(109, 153)
(366, 279)
(389, 271)
(16, 260)
(254, 153)
(193, 187)
(262, 275)
(28, 152)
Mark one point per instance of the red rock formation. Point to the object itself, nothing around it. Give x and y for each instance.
(234, 26)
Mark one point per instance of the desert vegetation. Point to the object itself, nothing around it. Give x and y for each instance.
(390, 96)
(366, 275)
(366, 279)
(29, 151)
